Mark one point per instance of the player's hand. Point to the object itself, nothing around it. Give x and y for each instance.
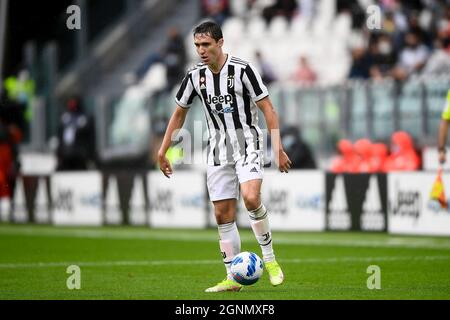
(442, 157)
(164, 165)
(284, 163)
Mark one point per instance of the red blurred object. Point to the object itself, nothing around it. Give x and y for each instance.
(379, 155)
(348, 161)
(6, 161)
(363, 148)
(72, 105)
(403, 155)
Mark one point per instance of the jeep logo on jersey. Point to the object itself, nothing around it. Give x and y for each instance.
(226, 99)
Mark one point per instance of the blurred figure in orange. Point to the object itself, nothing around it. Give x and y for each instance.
(379, 155)
(348, 161)
(362, 149)
(403, 155)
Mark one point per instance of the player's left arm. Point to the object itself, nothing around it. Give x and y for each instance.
(281, 158)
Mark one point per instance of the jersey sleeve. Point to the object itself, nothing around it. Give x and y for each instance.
(446, 112)
(186, 94)
(253, 82)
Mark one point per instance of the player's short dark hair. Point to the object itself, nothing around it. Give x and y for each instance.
(211, 28)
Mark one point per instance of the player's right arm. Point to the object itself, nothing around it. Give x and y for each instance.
(176, 122)
(443, 131)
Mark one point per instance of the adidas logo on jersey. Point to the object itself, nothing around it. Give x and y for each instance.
(254, 170)
(227, 99)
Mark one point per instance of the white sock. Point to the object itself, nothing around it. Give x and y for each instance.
(230, 244)
(260, 224)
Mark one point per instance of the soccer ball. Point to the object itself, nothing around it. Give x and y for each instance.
(246, 268)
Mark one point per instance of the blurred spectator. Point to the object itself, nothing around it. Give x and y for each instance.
(20, 90)
(412, 58)
(377, 62)
(347, 161)
(173, 56)
(298, 150)
(443, 28)
(354, 9)
(387, 5)
(395, 24)
(439, 61)
(403, 155)
(76, 138)
(284, 8)
(416, 28)
(252, 8)
(443, 33)
(382, 57)
(266, 70)
(217, 10)
(361, 64)
(388, 24)
(11, 134)
(304, 75)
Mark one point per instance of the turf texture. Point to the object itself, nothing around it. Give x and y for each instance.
(157, 264)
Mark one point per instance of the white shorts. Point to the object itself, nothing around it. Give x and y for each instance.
(223, 181)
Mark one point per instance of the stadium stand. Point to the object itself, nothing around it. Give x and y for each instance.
(329, 35)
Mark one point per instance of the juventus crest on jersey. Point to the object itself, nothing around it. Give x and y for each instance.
(229, 101)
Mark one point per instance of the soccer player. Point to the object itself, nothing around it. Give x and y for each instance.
(230, 90)
(443, 131)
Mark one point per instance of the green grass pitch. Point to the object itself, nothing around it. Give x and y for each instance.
(156, 264)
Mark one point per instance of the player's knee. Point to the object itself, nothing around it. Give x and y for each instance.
(225, 212)
(224, 216)
(252, 201)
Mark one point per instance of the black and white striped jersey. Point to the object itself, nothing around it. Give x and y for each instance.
(229, 101)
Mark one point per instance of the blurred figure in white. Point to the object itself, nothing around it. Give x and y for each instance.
(439, 62)
(412, 58)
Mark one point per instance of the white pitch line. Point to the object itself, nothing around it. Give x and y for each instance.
(208, 262)
(390, 242)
